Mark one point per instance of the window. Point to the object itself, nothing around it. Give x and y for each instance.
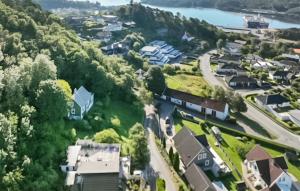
(73, 111)
(206, 162)
(202, 156)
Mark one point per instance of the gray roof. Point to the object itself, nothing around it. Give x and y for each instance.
(198, 181)
(272, 99)
(82, 96)
(187, 145)
(96, 158)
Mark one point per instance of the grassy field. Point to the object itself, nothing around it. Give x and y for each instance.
(188, 83)
(229, 145)
(119, 115)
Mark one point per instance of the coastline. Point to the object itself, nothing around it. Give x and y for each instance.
(284, 17)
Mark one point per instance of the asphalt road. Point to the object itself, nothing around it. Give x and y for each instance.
(283, 135)
(157, 162)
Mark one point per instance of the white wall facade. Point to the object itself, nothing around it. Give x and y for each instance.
(193, 106)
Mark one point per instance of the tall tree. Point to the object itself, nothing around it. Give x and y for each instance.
(51, 101)
(42, 69)
(155, 80)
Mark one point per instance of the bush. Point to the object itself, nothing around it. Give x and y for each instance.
(160, 184)
(232, 120)
(115, 122)
(242, 149)
(194, 68)
(169, 69)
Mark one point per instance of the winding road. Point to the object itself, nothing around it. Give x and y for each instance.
(282, 135)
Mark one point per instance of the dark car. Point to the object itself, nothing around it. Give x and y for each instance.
(169, 130)
(168, 121)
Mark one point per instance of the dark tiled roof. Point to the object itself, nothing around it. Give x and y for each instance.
(257, 153)
(275, 188)
(197, 179)
(202, 139)
(187, 145)
(204, 102)
(240, 79)
(280, 161)
(264, 169)
(230, 66)
(269, 168)
(279, 73)
(272, 99)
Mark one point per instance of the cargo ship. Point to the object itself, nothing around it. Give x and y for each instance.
(255, 22)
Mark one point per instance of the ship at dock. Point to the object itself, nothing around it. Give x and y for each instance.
(255, 22)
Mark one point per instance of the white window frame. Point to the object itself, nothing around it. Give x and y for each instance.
(206, 162)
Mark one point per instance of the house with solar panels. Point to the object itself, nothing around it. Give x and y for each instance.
(83, 101)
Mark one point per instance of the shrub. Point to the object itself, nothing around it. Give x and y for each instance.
(194, 68)
(169, 69)
(242, 149)
(160, 184)
(115, 122)
(232, 120)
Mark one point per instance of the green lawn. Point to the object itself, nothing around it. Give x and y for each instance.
(229, 145)
(214, 67)
(118, 115)
(188, 83)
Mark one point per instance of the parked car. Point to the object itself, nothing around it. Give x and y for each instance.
(169, 130)
(168, 121)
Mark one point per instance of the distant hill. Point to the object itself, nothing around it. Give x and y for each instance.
(54, 4)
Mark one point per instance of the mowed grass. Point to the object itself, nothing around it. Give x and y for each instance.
(193, 84)
(229, 144)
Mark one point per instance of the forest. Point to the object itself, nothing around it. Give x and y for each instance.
(55, 4)
(41, 62)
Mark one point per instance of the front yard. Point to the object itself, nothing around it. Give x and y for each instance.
(119, 115)
(229, 146)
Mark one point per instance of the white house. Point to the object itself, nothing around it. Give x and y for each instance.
(187, 37)
(112, 27)
(159, 52)
(233, 48)
(262, 172)
(214, 108)
(83, 101)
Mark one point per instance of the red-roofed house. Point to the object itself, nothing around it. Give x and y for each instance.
(214, 108)
(262, 172)
(296, 50)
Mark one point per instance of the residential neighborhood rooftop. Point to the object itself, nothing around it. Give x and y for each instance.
(197, 179)
(272, 99)
(187, 145)
(204, 102)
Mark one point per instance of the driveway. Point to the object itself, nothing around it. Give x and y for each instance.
(165, 111)
(283, 136)
(157, 162)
